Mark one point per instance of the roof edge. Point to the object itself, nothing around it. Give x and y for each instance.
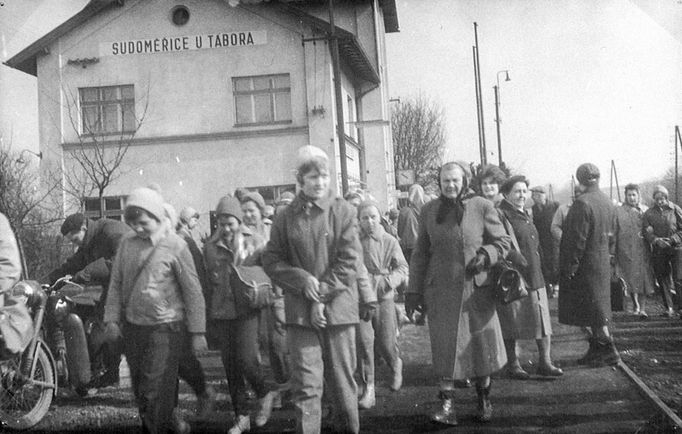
(25, 60)
(391, 24)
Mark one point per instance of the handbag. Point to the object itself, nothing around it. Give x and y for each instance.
(252, 287)
(508, 283)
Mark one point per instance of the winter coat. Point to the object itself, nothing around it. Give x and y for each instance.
(527, 318)
(633, 256)
(385, 262)
(220, 260)
(408, 226)
(95, 256)
(316, 238)
(663, 222)
(584, 264)
(542, 219)
(466, 339)
(10, 264)
(165, 290)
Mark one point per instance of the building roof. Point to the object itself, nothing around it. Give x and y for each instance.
(349, 47)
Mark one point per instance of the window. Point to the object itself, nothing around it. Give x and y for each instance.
(180, 15)
(106, 110)
(351, 130)
(263, 99)
(111, 206)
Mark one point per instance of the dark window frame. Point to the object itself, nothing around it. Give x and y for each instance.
(122, 105)
(252, 92)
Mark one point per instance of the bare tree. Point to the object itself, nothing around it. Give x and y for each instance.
(95, 161)
(419, 137)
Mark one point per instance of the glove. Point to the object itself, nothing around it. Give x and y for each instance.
(517, 259)
(199, 344)
(478, 263)
(413, 303)
(112, 332)
(367, 311)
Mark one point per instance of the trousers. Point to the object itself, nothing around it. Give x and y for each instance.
(319, 359)
(153, 354)
(668, 271)
(380, 334)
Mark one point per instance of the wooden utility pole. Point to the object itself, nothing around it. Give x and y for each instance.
(340, 124)
(479, 99)
(614, 175)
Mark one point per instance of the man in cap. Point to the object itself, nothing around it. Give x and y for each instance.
(662, 228)
(543, 213)
(585, 268)
(313, 255)
(97, 242)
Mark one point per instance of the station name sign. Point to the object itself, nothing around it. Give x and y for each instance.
(171, 44)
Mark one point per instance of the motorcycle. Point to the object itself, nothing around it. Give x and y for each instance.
(28, 380)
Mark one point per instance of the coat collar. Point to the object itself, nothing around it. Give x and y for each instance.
(376, 235)
(303, 204)
(507, 206)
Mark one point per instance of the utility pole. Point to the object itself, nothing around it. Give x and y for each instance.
(497, 122)
(340, 124)
(479, 98)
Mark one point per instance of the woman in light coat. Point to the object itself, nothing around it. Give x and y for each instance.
(459, 238)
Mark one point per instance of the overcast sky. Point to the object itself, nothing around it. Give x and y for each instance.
(590, 80)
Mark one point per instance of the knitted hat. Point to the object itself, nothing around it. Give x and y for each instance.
(309, 153)
(148, 200)
(255, 197)
(660, 189)
(72, 223)
(187, 213)
(587, 174)
(229, 205)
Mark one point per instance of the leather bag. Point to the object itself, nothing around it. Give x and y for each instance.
(252, 287)
(508, 282)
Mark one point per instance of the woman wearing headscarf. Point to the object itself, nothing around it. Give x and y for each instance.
(527, 318)
(460, 237)
(408, 220)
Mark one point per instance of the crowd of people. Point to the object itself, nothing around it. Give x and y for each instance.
(337, 266)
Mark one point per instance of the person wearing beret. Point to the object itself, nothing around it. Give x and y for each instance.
(662, 228)
(527, 318)
(585, 267)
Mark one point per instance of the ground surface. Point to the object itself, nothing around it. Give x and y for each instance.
(584, 400)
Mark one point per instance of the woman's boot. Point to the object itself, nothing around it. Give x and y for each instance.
(446, 413)
(485, 408)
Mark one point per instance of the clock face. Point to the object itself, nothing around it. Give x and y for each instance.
(405, 177)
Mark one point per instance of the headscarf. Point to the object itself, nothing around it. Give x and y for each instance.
(456, 205)
(415, 196)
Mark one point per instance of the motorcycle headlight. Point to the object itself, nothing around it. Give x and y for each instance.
(61, 310)
(26, 291)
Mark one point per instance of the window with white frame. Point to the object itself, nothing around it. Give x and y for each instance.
(107, 109)
(262, 99)
(110, 207)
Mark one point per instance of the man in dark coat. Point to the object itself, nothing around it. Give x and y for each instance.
(585, 269)
(97, 242)
(543, 213)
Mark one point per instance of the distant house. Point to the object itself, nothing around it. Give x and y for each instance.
(228, 93)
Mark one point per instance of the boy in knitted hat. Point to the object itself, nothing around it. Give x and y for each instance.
(154, 300)
(662, 225)
(387, 270)
(313, 255)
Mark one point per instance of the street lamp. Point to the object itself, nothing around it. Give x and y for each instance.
(497, 112)
(21, 160)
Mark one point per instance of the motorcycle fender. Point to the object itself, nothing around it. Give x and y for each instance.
(77, 356)
(53, 364)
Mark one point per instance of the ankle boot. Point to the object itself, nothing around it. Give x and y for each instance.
(606, 352)
(446, 413)
(591, 352)
(485, 407)
(368, 399)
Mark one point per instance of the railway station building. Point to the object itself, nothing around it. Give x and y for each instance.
(206, 96)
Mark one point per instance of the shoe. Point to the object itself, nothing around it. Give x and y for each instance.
(180, 426)
(485, 407)
(606, 353)
(591, 353)
(636, 311)
(549, 371)
(516, 372)
(643, 315)
(107, 378)
(206, 403)
(462, 384)
(446, 413)
(242, 424)
(368, 399)
(264, 408)
(669, 313)
(397, 382)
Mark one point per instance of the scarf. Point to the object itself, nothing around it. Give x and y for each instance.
(447, 206)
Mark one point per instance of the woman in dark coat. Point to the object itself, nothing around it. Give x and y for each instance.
(527, 318)
(585, 269)
(459, 238)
